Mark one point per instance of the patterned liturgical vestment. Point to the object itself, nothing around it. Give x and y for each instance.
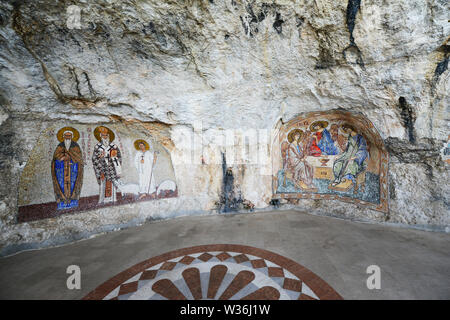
(108, 166)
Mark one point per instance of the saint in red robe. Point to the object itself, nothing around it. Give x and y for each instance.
(313, 149)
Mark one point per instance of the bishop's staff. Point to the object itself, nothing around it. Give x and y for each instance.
(151, 172)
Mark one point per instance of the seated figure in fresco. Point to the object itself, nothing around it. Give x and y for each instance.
(339, 140)
(352, 162)
(144, 161)
(297, 169)
(67, 169)
(107, 162)
(321, 142)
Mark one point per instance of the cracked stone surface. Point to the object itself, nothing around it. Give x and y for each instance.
(231, 64)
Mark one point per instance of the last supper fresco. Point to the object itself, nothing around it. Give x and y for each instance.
(332, 155)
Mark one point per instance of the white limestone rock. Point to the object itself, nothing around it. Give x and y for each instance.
(221, 65)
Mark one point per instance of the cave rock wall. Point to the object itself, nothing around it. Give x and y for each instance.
(211, 82)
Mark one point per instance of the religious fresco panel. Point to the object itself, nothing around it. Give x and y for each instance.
(331, 155)
(83, 167)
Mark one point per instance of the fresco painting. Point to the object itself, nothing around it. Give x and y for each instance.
(111, 165)
(331, 155)
(67, 169)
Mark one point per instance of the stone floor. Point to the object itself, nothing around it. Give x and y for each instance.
(414, 264)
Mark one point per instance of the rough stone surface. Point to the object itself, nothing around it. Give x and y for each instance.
(205, 67)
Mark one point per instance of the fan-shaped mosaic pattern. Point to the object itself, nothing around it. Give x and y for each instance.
(216, 272)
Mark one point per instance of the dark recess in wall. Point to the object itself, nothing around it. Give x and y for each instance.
(352, 11)
(228, 201)
(278, 24)
(408, 117)
(442, 66)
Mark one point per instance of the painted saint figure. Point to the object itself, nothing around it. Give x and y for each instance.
(67, 169)
(107, 162)
(321, 142)
(339, 139)
(352, 162)
(144, 161)
(297, 169)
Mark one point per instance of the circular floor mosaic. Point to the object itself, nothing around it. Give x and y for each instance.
(216, 272)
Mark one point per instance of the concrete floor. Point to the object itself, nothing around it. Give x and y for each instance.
(414, 264)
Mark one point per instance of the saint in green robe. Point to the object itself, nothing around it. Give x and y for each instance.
(352, 161)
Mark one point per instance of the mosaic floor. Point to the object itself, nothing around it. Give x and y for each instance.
(216, 272)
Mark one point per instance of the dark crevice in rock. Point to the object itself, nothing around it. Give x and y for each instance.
(149, 27)
(408, 117)
(88, 81)
(77, 82)
(429, 173)
(278, 24)
(251, 20)
(352, 11)
(326, 59)
(80, 95)
(392, 194)
(420, 152)
(442, 65)
(275, 203)
(246, 27)
(352, 49)
(228, 201)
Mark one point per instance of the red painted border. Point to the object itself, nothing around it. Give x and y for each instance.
(322, 289)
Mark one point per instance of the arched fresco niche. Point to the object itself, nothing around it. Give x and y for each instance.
(331, 155)
(75, 167)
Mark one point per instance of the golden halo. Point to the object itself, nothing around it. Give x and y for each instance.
(291, 134)
(75, 134)
(321, 123)
(97, 133)
(137, 142)
(349, 126)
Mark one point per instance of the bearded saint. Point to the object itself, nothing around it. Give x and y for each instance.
(107, 162)
(67, 169)
(353, 161)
